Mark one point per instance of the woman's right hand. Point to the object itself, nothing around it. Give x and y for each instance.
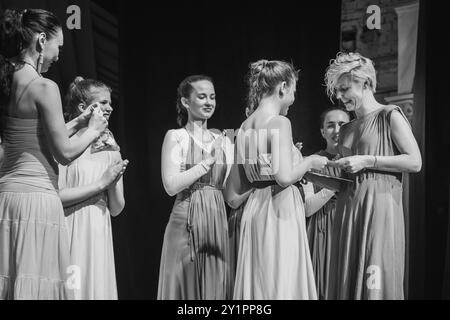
(316, 162)
(113, 174)
(217, 150)
(97, 121)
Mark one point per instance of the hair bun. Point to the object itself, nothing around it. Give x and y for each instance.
(258, 66)
(78, 80)
(350, 57)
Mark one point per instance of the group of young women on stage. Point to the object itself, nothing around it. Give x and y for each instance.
(59, 182)
(351, 246)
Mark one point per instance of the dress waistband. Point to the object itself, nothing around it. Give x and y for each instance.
(264, 184)
(204, 186)
(18, 187)
(366, 173)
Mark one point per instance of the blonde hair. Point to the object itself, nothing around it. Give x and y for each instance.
(80, 91)
(264, 76)
(350, 63)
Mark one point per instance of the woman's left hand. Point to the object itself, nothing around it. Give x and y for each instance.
(355, 164)
(83, 118)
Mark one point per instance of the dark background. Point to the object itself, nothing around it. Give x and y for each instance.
(162, 45)
(159, 45)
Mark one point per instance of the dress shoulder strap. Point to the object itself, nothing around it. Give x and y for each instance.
(25, 89)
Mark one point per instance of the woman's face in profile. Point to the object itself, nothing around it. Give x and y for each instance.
(52, 49)
(289, 98)
(201, 104)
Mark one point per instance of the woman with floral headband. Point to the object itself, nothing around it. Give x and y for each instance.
(91, 190)
(368, 247)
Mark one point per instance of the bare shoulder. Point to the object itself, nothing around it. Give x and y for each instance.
(175, 134)
(279, 122)
(44, 89)
(45, 84)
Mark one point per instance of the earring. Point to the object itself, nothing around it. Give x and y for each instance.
(40, 61)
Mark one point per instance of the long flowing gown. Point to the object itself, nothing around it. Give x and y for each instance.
(319, 228)
(90, 230)
(195, 253)
(368, 247)
(234, 232)
(34, 243)
(274, 260)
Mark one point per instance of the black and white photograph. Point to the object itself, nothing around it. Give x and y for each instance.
(225, 155)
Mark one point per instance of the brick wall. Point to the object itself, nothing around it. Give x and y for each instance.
(379, 45)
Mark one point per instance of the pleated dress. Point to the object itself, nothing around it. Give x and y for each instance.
(89, 227)
(368, 247)
(234, 232)
(274, 260)
(194, 260)
(319, 228)
(34, 242)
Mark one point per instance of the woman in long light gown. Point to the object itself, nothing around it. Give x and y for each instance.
(194, 259)
(91, 190)
(273, 260)
(34, 243)
(236, 197)
(368, 246)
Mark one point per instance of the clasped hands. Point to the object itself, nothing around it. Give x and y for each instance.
(217, 150)
(352, 164)
(114, 172)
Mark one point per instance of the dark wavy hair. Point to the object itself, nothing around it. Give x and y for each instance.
(184, 91)
(264, 76)
(17, 30)
(80, 91)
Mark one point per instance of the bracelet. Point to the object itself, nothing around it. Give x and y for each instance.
(375, 162)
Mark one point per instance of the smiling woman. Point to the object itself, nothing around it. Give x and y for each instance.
(91, 190)
(194, 261)
(377, 148)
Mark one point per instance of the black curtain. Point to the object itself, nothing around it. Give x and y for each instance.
(84, 49)
(162, 44)
(415, 265)
(437, 153)
(430, 250)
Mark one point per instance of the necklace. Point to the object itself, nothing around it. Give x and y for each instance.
(26, 62)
